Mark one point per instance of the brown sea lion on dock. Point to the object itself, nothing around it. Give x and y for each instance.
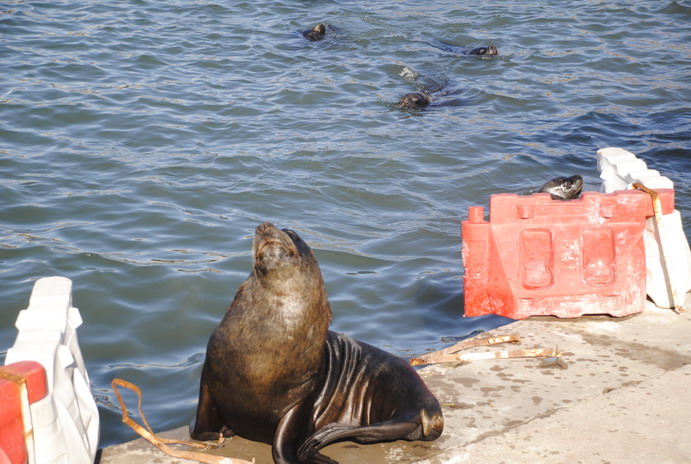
(275, 373)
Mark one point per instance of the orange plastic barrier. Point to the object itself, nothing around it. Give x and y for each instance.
(21, 383)
(538, 256)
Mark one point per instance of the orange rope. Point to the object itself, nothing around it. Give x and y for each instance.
(162, 443)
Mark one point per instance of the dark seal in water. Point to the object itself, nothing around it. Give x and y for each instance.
(563, 188)
(458, 50)
(275, 373)
(414, 100)
(489, 50)
(318, 32)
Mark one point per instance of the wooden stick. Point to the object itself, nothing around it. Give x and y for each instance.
(676, 300)
(432, 358)
(467, 357)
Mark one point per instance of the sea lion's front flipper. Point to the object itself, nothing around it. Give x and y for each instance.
(208, 424)
(394, 429)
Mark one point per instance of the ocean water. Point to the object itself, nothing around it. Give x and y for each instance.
(142, 142)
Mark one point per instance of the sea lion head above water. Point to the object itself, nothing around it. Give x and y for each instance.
(274, 373)
(414, 100)
(489, 50)
(318, 32)
(563, 188)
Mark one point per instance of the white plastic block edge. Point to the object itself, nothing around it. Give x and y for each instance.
(36, 345)
(51, 292)
(619, 169)
(66, 422)
(608, 157)
(678, 264)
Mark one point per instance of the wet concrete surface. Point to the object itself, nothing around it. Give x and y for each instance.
(620, 393)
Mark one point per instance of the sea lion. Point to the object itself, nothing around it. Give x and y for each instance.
(318, 32)
(414, 100)
(563, 188)
(489, 50)
(430, 90)
(455, 49)
(275, 373)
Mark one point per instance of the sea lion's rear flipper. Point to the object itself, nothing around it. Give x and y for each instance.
(394, 429)
(208, 424)
(290, 431)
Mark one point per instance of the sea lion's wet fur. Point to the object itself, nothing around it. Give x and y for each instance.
(563, 188)
(414, 100)
(275, 373)
(369, 395)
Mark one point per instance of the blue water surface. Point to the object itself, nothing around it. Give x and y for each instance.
(142, 142)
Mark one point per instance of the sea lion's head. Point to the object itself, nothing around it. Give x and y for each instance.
(489, 50)
(564, 188)
(414, 100)
(277, 250)
(286, 275)
(318, 32)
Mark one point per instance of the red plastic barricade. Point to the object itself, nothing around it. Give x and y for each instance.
(538, 256)
(21, 384)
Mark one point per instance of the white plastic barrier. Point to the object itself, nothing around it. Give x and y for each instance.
(619, 169)
(65, 422)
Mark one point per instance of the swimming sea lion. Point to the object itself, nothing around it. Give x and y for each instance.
(424, 88)
(489, 50)
(563, 188)
(275, 373)
(414, 100)
(455, 49)
(318, 32)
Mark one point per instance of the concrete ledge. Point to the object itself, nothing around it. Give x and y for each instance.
(621, 396)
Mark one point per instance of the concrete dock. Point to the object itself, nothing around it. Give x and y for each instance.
(621, 395)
